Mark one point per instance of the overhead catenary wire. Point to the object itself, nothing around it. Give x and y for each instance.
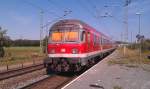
(39, 8)
(86, 9)
(116, 19)
(98, 13)
(42, 11)
(93, 6)
(56, 19)
(59, 7)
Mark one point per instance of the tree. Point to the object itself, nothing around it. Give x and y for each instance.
(45, 43)
(2, 38)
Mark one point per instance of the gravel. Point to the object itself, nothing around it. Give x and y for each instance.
(20, 81)
(28, 82)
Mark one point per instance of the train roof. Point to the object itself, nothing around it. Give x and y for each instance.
(78, 22)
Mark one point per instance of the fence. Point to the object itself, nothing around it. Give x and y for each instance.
(8, 67)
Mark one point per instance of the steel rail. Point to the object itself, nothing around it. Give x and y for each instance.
(20, 71)
(49, 81)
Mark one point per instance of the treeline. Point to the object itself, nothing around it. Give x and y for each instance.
(6, 41)
(20, 42)
(145, 45)
(23, 42)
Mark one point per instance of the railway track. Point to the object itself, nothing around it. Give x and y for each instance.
(21, 71)
(52, 82)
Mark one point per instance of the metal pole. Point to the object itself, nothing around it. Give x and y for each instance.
(41, 31)
(126, 25)
(139, 32)
(139, 24)
(140, 51)
(131, 40)
(131, 36)
(47, 37)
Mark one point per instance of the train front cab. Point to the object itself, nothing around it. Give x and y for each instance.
(72, 55)
(66, 55)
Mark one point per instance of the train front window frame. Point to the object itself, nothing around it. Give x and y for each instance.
(58, 39)
(82, 36)
(64, 39)
(67, 38)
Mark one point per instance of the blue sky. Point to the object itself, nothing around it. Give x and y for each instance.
(22, 19)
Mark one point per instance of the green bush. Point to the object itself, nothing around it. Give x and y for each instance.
(145, 45)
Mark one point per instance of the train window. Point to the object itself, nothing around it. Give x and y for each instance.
(83, 36)
(88, 37)
(104, 42)
(71, 36)
(95, 39)
(101, 40)
(66, 35)
(56, 36)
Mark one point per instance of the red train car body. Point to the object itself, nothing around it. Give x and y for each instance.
(73, 44)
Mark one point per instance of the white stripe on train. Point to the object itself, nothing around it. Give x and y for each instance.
(83, 55)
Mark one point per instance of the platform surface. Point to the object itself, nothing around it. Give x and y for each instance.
(105, 76)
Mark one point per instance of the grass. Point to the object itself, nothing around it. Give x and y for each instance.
(131, 58)
(117, 87)
(14, 55)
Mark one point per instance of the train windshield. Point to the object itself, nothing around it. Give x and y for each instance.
(71, 36)
(56, 36)
(64, 35)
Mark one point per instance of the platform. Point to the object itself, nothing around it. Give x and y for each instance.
(104, 76)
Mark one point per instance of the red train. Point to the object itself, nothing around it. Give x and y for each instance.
(73, 44)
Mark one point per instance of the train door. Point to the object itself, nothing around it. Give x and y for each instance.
(88, 41)
(101, 43)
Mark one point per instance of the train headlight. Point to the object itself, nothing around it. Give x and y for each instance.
(74, 51)
(63, 50)
(52, 51)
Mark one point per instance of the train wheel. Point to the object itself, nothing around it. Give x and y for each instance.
(93, 61)
(90, 63)
(77, 67)
(66, 68)
(49, 69)
(58, 68)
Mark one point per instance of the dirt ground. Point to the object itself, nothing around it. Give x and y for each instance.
(127, 76)
(132, 73)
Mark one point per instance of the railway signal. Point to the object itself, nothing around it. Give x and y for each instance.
(139, 40)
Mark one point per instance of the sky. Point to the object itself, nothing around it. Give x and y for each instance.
(22, 18)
